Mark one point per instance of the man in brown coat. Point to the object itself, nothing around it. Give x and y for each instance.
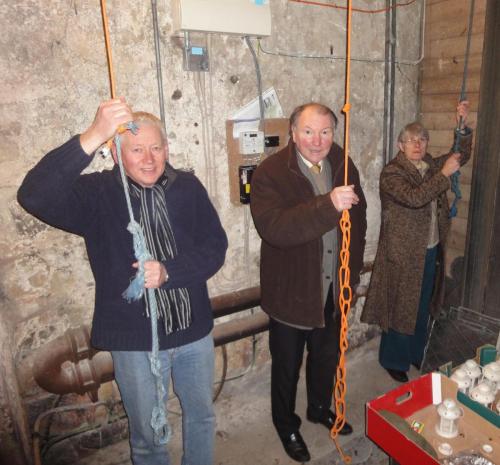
(296, 202)
(405, 284)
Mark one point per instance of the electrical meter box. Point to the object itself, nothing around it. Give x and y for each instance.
(251, 142)
(243, 17)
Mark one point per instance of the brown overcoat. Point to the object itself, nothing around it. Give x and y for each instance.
(395, 285)
(291, 221)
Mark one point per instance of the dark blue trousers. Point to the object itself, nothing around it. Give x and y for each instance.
(397, 351)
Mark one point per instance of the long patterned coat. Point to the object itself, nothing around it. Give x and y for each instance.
(394, 292)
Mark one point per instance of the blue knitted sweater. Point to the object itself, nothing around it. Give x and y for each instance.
(94, 207)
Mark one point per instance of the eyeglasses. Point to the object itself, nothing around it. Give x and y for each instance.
(416, 140)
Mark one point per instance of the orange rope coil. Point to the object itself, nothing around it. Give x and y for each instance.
(345, 296)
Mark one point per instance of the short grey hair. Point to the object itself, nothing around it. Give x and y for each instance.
(413, 129)
(143, 118)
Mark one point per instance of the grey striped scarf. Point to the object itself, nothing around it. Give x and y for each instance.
(174, 306)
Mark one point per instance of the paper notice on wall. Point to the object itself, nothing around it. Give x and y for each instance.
(247, 117)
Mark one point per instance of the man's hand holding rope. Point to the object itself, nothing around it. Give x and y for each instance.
(155, 274)
(344, 197)
(109, 117)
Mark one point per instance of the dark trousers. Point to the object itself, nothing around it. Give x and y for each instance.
(397, 350)
(287, 349)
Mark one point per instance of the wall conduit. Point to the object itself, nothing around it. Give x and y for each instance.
(69, 363)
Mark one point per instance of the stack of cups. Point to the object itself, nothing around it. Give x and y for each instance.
(491, 375)
(460, 377)
(483, 393)
(473, 370)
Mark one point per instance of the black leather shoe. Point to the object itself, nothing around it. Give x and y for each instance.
(328, 421)
(397, 375)
(295, 447)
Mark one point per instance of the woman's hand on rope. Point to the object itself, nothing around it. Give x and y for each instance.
(344, 197)
(462, 113)
(155, 274)
(109, 117)
(451, 165)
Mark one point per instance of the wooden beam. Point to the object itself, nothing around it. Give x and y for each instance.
(481, 269)
(455, 28)
(451, 47)
(442, 137)
(445, 120)
(449, 84)
(439, 67)
(435, 102)
(453, 11)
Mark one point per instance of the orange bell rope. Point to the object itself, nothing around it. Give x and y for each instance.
(104, 15)
(109, 57)
(345, 296)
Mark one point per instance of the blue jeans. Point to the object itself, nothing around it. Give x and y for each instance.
(192, 369)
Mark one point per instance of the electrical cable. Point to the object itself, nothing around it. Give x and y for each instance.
(55, 404)
(78, 431)
(358, 10)
(331, 56)
(249, 367)
(36, 426)
(159, 79)
(208, 128)
(259, 81)
(223, 379)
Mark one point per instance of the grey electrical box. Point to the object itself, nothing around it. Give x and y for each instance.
(242, 17)
(196, 58)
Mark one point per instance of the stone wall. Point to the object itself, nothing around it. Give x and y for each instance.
(54, 74)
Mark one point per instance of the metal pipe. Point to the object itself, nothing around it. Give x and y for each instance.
(60, 366)
(235, 330)
(156, 35)
(70, 364)
(389, 78)
(393, 79)
(73, 346)
(87, 375)
(236, 301)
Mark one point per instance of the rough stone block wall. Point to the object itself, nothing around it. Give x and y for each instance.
(54, 74)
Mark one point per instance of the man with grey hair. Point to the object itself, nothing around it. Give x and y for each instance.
(297, 200)
(183, 234)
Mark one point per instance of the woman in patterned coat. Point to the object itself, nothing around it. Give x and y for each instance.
(405, 286)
